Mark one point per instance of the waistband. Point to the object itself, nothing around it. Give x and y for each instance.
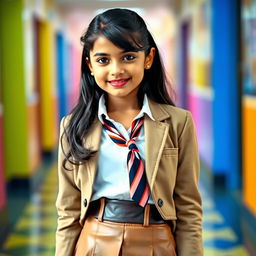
(124, 211)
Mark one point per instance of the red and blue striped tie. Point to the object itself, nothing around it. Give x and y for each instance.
(139, 189)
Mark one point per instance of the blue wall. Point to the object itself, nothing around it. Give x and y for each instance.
(62, 74)
(226, 103)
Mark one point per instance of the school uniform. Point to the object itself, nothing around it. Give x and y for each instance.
(172, 170)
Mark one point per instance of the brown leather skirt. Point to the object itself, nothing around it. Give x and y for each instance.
(107, 238)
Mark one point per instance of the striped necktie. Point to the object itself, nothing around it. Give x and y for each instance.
(139, 189)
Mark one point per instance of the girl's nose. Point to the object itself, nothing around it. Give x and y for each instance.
(116, 69)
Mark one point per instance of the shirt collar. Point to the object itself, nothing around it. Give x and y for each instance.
(102, 110)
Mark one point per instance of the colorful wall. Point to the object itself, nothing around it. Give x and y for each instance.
(2, 178)
(249, 152)
(47, 85)
(195, 90)
(210, 83)
(199, 89)
(29, 94)
(62, 74)
(15, 119)
(249, 103)
(226, 84)
(32, 100)
(74, 81)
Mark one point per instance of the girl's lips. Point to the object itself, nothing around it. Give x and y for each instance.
(119, 82)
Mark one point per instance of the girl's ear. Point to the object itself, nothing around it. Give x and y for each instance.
(88, 63)
(150, 58)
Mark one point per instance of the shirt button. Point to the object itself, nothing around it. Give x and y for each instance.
(85, 202)
(160, 202)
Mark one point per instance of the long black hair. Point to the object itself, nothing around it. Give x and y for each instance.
(128, 31)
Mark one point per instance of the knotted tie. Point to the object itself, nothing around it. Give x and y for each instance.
(139, 189)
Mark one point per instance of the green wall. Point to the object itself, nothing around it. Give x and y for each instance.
(13, 89)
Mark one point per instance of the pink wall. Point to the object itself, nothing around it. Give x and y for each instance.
(75, 55)
(2, 180)
(201, 109)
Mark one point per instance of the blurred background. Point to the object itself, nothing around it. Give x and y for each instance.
(209, 51)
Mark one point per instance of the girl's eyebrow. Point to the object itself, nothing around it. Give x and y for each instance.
(101, 54)
(107, 54)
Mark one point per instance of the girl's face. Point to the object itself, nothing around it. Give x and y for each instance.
(117, 72)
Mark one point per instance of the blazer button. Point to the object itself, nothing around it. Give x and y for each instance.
(160, 202)
(85, 202)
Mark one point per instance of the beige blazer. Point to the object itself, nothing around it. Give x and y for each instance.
(172, 169)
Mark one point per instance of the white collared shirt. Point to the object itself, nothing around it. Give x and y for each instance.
(112, 179)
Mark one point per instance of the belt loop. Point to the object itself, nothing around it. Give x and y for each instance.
(146, 215)
(102, 208)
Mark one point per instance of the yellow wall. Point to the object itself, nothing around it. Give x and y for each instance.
(249, 152)
(48, 98)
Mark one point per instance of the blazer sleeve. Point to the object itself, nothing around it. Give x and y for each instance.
(188, 232)
(68, 205)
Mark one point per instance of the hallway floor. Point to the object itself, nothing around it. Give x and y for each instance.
(227, 230)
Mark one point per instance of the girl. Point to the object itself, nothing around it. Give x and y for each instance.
(128, 161)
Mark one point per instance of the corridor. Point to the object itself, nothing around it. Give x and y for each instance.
(208, 51)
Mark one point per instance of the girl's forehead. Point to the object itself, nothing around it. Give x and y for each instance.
(106, 46)
(103, 44)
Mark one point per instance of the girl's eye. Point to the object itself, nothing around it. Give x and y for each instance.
(102, 60)
(129, 57)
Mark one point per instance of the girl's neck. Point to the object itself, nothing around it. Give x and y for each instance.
(122, 104)
(123, 109)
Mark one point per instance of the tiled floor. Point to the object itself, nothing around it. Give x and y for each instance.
(220, 239)
(34, 231)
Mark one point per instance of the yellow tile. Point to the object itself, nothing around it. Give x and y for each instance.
(214, 217)
(223, 233)
(31, 223)
(50, 197)
(31, 208)
(46, 240)
(46, 208)
(236, 251)
(49, 253)
(15, 240)
(208, 204)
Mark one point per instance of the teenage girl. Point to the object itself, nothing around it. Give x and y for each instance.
(128, 162)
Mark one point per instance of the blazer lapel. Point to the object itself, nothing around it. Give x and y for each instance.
(155, 136)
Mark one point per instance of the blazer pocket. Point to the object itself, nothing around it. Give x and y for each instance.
(170, 151)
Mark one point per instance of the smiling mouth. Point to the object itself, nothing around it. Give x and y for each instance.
(118, 82)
